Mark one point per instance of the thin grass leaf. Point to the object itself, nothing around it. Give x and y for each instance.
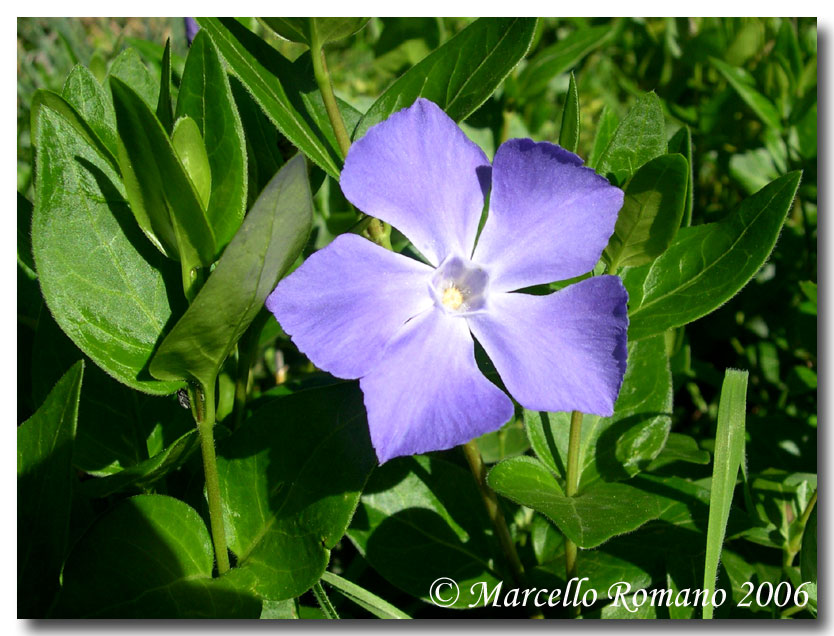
(362, 597)
(729, 455)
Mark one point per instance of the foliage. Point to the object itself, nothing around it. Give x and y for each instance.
(163, 190)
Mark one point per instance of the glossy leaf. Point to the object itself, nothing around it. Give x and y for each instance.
(461, 74)
(681, 143)
(290, 479)
(622, 445)
(145, 473)
(131, 70)
(164, 107)
(102, 282)
(744, 84)
(206, 97)
(44, 491)
(286, 91)
(362, 597)
(191, 151)
(264, 248)
(326, 29)
(569, 131)
(421, 518)
(652, 211)
(601, 511)
(150, 556)
(92, 102)
(161, 195)
(44, 99)
(560, 57)
(118, 428)
(606, 127)
(707, 264)
(640, 137)
(728, 457)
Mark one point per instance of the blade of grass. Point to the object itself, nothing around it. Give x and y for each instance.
(728, 457)
(363, 598)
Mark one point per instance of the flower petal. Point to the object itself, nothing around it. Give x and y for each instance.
(549, 216)
(427, 393)
(346, 301)
(562, 352)
(419, 172)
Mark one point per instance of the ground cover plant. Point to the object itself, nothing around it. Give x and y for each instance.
(417, 318)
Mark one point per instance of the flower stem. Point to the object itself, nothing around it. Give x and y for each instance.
(476, 463)
(202, 404)
(572, 485)
(247, 348)
(326, 89)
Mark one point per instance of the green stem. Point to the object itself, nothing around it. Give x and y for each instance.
(326, 89)
(476, 463)
(572, 485)
(203, 407)
(326, 606)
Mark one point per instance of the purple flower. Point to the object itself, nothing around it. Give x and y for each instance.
(405, 328)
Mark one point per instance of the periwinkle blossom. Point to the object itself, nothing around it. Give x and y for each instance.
(405, 328)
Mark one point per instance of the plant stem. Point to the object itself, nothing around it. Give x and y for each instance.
(572, 485)
(476, 463)
(203, 407)
(326, 89)
(326, 606)
(795, 544)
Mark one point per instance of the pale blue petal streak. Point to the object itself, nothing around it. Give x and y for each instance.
(549, 216)
(419, 172)
(346, 301)
(427, 393)
(561, 352)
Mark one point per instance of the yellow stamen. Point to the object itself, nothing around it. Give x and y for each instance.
(452, 298)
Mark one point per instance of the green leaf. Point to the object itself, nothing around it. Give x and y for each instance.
(606, 128)
(461, 74)
(206, 97)
(145, 473)
(261, 136)
(620, 446)
(508, 441)
(164, 108)
(808, 557)
(290, 479)
(103, 284)
(421, 518)
(744, 84)
(44, 492)
(753, 169)
(191, 151)
(681, 448)
(707, 264)
(640, 137)
(149, 557)
(161, 195)
(131, 70)
(44, 99)
(569, 131)
(24, 236)
(286, 91)
(326, 29)
(119, 428)
(558, 58)
(269, 241)
(652, 211)
(92, 102)
(728, 457)
(681, 143)
(362, 597)
(601, 511)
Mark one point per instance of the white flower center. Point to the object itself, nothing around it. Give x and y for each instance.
(459, 286)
